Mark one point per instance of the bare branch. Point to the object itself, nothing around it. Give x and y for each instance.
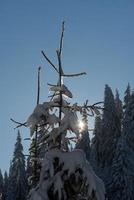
(51, 84)
(100, 102)
(19, 123)
(97, 107)
(49, 61)
(73, 75)
(27, 139)
(61, 39)
(91, 110)
(38, 91)
(86, 103)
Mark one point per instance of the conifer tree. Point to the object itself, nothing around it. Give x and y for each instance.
(109, 128)
(129, 132)
(1, 185)
(126, 112)
(29, 171)
(17, 189)
(96, 145)
(10, 188)
(5, 186)
(119, 111)
(130, 123)
(121, 186)
(127, 96)
(121, 183)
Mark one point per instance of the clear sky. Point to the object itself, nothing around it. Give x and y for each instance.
(99, 39)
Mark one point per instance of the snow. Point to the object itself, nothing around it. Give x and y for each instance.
(69, 121)
(62, 89)
(70, 162)
(58, 164)
(41, 113)
(35, 118)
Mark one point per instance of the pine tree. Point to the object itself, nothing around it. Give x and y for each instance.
(130, 123)
(17, 176)
(129, 131)
(5, 186)
(121, 186)
(1, 185)
(127, 96)
(110, 128)
(126, 113)
(119, 111)
(97, 144)
(10, 188)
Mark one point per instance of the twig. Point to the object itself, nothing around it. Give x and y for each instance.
(49, 61)
(27, 139)
(73, 75)
(96, 107)
(38, 91)
(51, 84)
(100, 102)
(19, 123)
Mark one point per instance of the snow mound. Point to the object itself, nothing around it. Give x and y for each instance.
(64, 174)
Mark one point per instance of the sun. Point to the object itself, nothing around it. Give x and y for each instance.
(81, 125)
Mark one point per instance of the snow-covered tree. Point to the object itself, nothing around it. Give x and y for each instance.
(32, 165)
(121, 186)
(97, 144)
(5, 186)
(29, 173)
(127, 96)
(129, 120)
(65, 174)
(17, 189)
(126, 113)
(110, 128)
(1, 185)
(128, 128)
(119, 111)
(10, 188)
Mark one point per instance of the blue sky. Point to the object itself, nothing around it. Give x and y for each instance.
(99, 39)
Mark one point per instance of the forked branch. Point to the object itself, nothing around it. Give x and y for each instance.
(49, 61)
(19, 123)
